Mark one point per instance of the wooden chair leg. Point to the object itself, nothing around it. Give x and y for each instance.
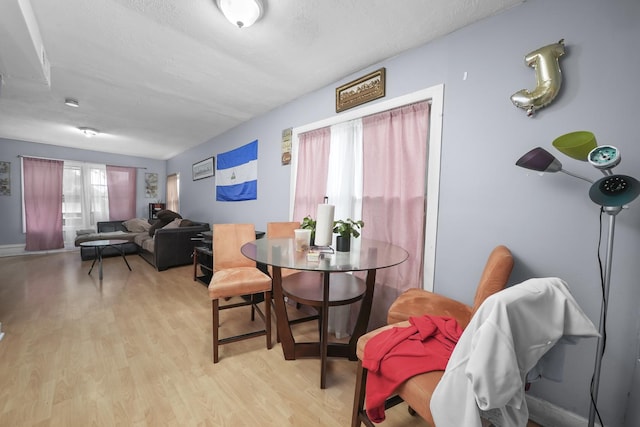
(358, 414)
(216, 324)
(273, 307)
(253, 307)
(267, 317)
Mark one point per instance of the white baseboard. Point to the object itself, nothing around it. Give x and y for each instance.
(11, 250)
(547, 414)
(15, 250)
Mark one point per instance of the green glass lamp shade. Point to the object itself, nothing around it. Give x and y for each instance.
(614, 190)
(576, 145)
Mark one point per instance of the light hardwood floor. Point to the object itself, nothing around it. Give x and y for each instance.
(135, 350)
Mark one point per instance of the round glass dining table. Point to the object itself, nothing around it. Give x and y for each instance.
(365, 255)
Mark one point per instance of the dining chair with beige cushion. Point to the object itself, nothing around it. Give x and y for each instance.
(235, 275)
(281, 230)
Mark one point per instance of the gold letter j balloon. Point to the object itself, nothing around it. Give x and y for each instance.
(548, 76)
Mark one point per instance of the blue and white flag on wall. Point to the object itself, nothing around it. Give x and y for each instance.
(237, 174)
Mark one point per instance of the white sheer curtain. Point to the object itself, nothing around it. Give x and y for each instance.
(344, 181)
(344, 190)
(173, 192)
(85, 198)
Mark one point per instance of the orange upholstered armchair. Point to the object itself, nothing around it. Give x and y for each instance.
(417, 391)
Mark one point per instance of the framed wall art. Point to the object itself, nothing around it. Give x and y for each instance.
(360, 91)
(5, 178)
(286, 146)
(151, 185)
(204, 169)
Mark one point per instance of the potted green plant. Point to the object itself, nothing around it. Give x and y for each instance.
(309, 223)
(345, 229)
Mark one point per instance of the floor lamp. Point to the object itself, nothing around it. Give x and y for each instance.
(612, 193)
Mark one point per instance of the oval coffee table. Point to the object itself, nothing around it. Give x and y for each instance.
(100, 245)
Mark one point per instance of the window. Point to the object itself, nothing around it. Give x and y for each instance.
(84, 198)
(375, 171)
(173, 192)
(434, 95)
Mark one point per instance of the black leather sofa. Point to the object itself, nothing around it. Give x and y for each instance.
(169, 247)
(172, 247)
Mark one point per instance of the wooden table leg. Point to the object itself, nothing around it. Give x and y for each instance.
(282, 318)
(284, 328)
(324, 329)
(363, 317)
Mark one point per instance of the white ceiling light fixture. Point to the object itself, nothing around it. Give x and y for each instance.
(241, 13)
(71, 102)
(89, 132)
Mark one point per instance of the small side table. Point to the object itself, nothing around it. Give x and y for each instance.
(203, 258)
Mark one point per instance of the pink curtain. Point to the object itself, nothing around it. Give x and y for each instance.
(313, 168)
(121, 187)
(395, 165)
(43, 203)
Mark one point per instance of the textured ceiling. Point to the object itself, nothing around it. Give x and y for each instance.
(161, 76)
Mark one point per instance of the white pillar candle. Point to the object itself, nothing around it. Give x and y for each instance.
(324, 225)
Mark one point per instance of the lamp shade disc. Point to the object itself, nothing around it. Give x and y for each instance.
(604, 157)
(539, 159)
(576, 145)
(614, 190)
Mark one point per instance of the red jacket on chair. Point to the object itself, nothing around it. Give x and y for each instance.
(397, 354)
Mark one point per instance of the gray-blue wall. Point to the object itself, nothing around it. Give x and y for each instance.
(549, 222)
(10, 206)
